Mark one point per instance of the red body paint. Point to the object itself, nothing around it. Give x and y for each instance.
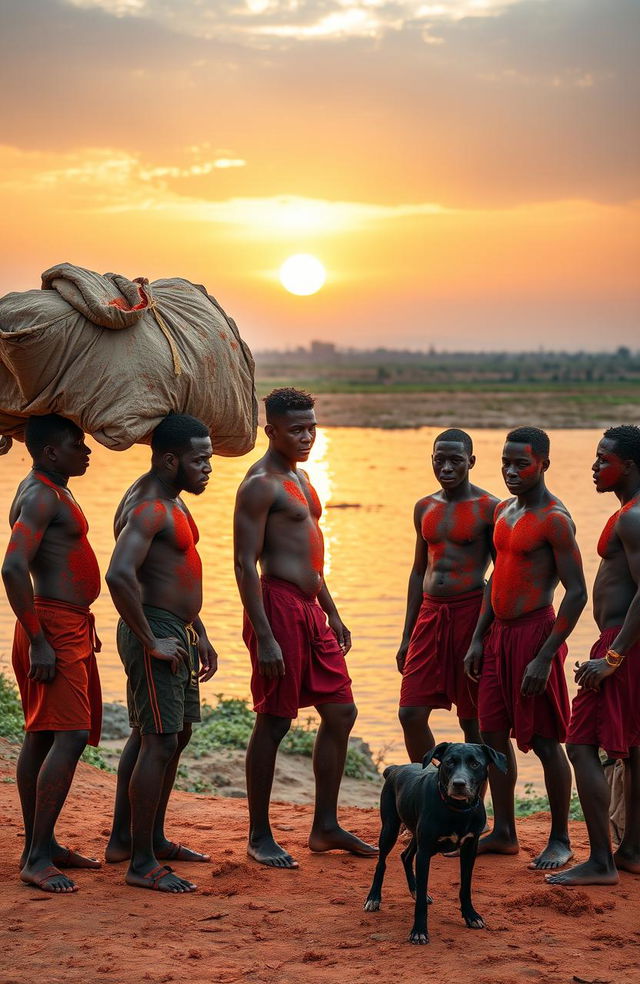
(608, 532)
(189, 570)
(456, 533)
(152, 515)
(294, 491)
(23, 538)
(524, 568)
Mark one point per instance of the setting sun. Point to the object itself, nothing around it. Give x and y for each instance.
(302, 274)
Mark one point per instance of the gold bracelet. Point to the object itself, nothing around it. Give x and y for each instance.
(613, 658)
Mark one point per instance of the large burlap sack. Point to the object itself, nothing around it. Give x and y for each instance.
(116, 356)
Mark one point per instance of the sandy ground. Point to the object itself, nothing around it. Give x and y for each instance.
(248, 923)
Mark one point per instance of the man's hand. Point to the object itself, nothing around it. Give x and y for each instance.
(591, 673)
(42, 661)
(401, 656)
(208, 659)
(270, 661)
(473, 661)
(535, 677)
(169, 650)
(341, 632)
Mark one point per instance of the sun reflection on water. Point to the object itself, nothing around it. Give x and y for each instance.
(320, 475)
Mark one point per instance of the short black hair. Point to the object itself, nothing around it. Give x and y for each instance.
(50, 428)
(459, 436)
(534, 436)
(175, 433)
(286, 400)
(627, 441)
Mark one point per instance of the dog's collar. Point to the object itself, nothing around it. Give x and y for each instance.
(450, 802)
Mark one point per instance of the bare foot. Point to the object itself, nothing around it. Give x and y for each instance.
(338, 839)
(626, 862)
(161, 879)
(494, 844)
(64, 857)
(178, 852)
(266, 850)
(587, 873)
(117, 850)
(555, 855)
(47, 877)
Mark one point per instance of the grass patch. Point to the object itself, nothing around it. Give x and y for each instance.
(229, 725)
(531, 802)
(12, 723)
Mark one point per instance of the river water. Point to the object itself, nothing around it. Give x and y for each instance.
(368, 481)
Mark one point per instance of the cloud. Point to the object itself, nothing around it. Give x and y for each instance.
(257, 21)
(525, 102)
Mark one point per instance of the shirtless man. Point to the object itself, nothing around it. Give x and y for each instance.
(520, 662)
(292, 628)
(49, 556)
(155, 580)
(606, 710)
(454, 530)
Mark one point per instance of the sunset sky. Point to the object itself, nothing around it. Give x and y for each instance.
(467, 171)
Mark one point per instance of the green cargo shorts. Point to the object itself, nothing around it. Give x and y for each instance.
(160, 702)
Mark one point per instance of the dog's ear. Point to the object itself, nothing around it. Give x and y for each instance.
(497, 758)
(435, 753)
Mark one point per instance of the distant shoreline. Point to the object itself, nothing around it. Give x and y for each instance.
(580, 408)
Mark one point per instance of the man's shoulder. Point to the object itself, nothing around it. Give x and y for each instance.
(31, 491)
(629, 518)
(259, 484)
(431, 499)
(487, 501)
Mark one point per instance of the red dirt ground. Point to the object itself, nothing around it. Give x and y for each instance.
(248, 923)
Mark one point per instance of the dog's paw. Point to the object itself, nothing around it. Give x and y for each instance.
(372, 905)
(418, 937)
(474, 920)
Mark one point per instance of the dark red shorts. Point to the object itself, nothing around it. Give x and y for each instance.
(508, 647)
(433, 674)
(315, 667)
(73, 699)
(609, 717)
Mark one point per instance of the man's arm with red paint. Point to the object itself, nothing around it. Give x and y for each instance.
(37, 510)
(591, 673)
(132, 546)
(340, 630)
(562, 539)
(253, 503)
(415, 588)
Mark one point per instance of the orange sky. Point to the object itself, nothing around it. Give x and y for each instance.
(467, 171)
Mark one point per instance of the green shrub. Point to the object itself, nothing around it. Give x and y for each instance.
(12, 723)
(11, 718)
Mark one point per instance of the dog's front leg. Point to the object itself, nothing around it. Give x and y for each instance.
(419, 934)
(468, 851)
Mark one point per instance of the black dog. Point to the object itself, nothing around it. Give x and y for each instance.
(443, 809)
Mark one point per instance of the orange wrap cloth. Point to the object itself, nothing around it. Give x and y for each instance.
(73, 699)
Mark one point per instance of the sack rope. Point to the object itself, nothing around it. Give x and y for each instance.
(164, 328)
